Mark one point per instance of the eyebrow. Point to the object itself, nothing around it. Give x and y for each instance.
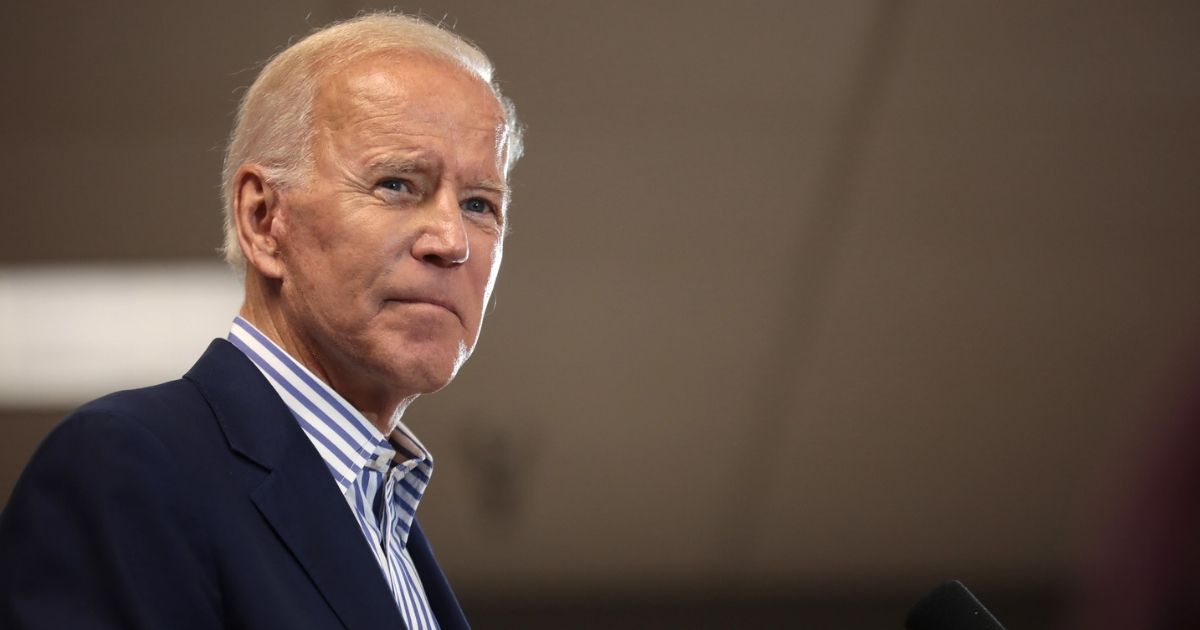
(399, 165)
(490, 185)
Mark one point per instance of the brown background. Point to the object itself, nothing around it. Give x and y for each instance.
(808, 306)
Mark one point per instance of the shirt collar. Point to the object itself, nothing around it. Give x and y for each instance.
(346, 440)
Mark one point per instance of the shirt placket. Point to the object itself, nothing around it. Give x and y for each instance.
(389, 511)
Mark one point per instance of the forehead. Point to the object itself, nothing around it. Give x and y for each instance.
(408, 93)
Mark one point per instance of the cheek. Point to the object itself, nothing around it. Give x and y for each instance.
(351, 257)
(496, 255)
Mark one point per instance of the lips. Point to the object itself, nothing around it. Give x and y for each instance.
(432, 301)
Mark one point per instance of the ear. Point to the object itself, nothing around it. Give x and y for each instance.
(256, 207)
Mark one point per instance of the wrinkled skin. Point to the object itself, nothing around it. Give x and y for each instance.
(376, 271)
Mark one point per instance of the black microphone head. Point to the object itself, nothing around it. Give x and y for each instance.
(950, 607)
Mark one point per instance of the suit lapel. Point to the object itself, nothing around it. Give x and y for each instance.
(303, 506)
(298, 497)
(441, 599)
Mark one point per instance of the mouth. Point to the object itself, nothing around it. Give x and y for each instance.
(427, 301)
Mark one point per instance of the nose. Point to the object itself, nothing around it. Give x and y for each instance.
(442, 238)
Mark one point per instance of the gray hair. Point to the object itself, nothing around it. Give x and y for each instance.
(274, 124)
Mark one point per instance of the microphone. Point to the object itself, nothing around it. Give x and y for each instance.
(950, 607)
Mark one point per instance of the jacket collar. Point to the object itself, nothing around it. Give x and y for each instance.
(297, 496)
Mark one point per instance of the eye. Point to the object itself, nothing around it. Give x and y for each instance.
(395, 185)
(477, 205)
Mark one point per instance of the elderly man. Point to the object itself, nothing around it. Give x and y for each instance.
(274, 485)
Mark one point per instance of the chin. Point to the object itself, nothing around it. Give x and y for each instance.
(427, 382)
(429, 373)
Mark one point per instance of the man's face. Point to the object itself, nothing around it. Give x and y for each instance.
(389, 252)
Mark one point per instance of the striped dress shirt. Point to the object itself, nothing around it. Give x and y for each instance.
(382, 477)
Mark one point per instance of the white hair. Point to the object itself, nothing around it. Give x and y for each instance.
(274, 125)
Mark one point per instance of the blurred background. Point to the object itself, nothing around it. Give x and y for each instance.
(808, 305)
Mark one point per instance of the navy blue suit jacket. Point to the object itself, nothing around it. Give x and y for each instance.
(198, 503)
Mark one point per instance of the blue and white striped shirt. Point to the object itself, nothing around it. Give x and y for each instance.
(382, 477)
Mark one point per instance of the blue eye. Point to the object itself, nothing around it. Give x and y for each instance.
(477, 205)
(396, 185)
